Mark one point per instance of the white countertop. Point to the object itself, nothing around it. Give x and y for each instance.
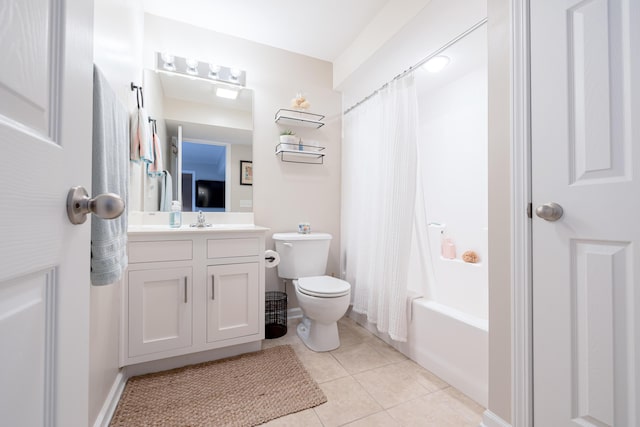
(215, 228)
(142, 223)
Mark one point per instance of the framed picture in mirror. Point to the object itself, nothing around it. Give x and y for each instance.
(246, 172)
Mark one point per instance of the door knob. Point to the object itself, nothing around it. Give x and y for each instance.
(550, 211)
(105, 206)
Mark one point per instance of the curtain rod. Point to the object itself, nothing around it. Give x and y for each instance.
(420, 63)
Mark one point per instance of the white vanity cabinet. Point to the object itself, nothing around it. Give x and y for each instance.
(234, 285)
(160, 310)
(232, 304)
(191, 290)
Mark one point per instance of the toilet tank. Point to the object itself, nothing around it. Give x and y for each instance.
(302, 255)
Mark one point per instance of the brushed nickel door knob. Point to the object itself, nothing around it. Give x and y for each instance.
(105, 206)
(550, 211)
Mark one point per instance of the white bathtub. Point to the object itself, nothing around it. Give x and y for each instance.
(451, 344)
(448, 330)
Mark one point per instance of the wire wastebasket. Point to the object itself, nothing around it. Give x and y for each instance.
(275, 324)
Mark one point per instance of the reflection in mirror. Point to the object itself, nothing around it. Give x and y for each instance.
(204, 176)
(205, 139)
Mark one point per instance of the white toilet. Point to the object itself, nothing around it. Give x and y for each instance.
(323, 299)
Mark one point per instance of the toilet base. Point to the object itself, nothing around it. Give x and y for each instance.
(317, 336)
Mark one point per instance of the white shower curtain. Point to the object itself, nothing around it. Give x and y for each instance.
(379, 203)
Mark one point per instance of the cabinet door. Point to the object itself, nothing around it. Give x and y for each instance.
(160, 310)
(232, 301)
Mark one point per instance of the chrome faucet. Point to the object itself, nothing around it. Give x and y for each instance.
(202, 222)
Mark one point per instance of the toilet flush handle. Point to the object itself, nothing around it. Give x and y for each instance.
(288, 245)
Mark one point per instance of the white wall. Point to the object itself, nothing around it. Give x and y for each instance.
(391, 18)
(283, 193)
(192, 112)
(154, 102)
(453, 157)
(118, 53)
(435, 24)
(453, 163)
(499, 36)
(240, 193)
(155, 108)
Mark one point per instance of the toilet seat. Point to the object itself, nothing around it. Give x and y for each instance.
(323, 286)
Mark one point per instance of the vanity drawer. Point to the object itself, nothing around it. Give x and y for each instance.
(166, 250)
(225, 248)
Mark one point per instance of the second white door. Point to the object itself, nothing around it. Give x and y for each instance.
(585, 71)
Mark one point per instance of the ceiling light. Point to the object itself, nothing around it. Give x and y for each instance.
(223, 92)
(435, 64)
(192, 67)
(169, 62)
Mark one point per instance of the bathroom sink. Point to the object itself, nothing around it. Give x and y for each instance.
(233, 226)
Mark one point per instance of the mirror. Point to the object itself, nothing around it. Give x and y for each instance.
(206, 144)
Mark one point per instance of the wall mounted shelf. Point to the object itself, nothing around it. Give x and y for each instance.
(298, 118)
(309, 154)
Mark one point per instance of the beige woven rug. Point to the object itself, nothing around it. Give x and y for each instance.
(245, 390)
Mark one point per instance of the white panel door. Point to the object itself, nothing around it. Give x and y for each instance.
(233, 297)
(45, 140)
(160, 310)
(585, 71)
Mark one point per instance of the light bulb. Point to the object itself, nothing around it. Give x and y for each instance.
(235, 73)
(436, 64)
(192, 67)
(169, 61)
(213, 70)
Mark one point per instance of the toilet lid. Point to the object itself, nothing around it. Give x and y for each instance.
(323, 286)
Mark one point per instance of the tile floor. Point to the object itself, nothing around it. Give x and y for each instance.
(369, 383)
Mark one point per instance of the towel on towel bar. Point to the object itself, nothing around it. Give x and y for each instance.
(157, 166)
(141, 140)
(110, 175)
(166, 192)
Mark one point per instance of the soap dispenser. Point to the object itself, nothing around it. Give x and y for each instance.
(175, 216)
(447, 247)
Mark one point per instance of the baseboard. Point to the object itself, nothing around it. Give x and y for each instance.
(111, 402)
(191, 358)
(489, 419)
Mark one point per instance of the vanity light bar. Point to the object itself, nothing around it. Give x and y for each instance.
(199, 69)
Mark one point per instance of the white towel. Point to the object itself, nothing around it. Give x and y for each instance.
(156, 168)
(110, 172)
(166, 192)
(141, 142)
